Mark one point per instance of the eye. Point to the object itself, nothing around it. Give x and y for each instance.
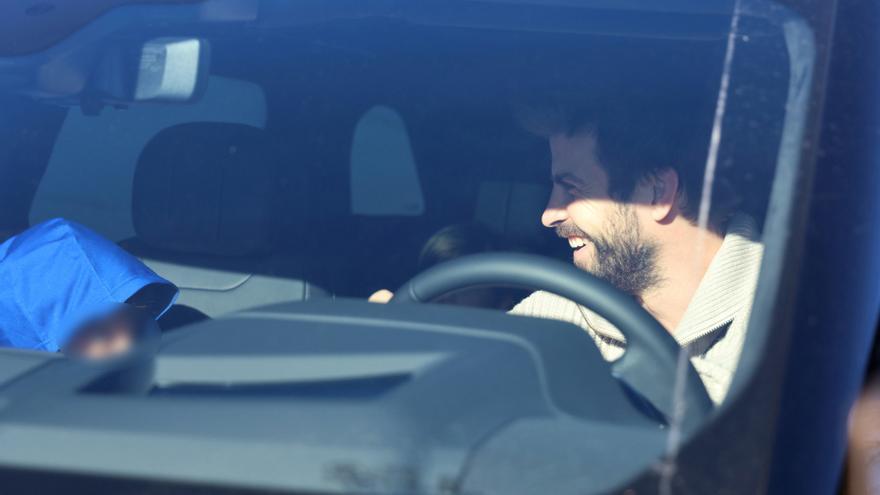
(571, 190)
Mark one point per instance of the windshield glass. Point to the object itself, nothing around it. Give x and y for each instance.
(292, 153)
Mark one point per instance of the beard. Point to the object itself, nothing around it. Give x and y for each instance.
(623, 257)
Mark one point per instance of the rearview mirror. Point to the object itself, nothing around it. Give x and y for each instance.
(159, 70)
(171, 70)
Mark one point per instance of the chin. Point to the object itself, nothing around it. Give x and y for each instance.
(584, 260)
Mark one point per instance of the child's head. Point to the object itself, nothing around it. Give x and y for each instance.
(68, 289)
(117, 331)
(455, 241)
(460, 240)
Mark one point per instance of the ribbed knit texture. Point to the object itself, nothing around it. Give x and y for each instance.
(714, 325)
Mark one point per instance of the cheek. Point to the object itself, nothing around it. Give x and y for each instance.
(644, 214)
(589, 215)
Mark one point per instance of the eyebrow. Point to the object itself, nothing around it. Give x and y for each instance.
(568, 177)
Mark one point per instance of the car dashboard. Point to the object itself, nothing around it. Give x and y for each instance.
(334, 396)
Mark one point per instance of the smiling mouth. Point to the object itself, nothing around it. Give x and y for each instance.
(576, 243)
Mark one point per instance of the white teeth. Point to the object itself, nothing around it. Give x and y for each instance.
(575, 242)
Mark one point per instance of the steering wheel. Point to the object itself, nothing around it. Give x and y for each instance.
(650, 363)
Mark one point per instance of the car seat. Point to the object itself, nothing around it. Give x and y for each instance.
(210, 203)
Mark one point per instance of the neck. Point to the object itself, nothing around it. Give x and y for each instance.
(685, 256)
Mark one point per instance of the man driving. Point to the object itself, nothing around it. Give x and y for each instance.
(629, 173)
(628, 186)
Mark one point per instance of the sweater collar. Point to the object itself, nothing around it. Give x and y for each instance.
(726, 290)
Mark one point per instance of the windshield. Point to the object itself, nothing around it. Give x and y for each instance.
(292, 154)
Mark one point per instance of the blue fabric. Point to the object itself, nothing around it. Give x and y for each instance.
(57, 276)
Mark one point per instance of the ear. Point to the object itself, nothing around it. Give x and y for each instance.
(665, 191)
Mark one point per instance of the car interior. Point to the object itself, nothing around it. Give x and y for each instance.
(316, 173)
(228, 210)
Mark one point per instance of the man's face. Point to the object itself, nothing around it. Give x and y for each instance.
(605, 234)
(108, 337)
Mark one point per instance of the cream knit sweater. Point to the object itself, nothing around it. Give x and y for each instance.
(714, 325)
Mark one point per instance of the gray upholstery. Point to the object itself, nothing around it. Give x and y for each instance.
(206, 188)
(512, 209)
(207, 208)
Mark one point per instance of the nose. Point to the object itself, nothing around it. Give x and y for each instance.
(555, 212)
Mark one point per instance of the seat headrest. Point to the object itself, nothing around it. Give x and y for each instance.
(208, 188)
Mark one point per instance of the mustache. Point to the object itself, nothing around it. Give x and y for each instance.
(566, 230)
